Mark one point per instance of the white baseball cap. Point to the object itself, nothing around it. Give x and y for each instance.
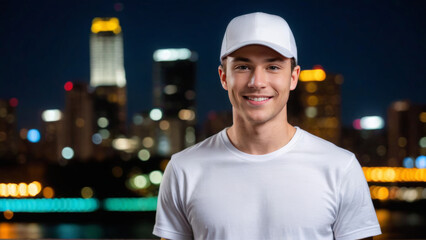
(259, 28)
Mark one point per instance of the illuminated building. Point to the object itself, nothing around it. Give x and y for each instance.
(315, 105)
(108, 79)
(8, 130)
(53, 135)
(174, 76)
(79, 121)
(106, 53)
(406, 132)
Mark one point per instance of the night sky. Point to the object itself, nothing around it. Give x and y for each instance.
(378, 46)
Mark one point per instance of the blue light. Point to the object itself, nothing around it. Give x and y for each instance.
(97, 138)
(421, 162)
(49, 205)
(33, 135)
(408, 162)
(131, 204)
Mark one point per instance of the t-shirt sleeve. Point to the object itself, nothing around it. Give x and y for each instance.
(356, 217)
(171, 221)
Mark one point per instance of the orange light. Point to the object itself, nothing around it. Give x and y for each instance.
(312, 75)
(106, 25)
(8, 214)
(48, 192)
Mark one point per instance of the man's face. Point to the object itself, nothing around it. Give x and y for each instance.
(258, 81)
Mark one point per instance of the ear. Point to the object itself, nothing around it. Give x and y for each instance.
(294, 77)
(222, 76)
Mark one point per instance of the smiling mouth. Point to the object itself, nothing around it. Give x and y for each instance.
(257, 99)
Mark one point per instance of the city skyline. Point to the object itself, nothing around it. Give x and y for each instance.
(373, 51)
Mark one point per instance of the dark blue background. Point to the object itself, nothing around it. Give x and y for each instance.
(378, 46)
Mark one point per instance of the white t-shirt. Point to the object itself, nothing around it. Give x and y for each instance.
(308, 189)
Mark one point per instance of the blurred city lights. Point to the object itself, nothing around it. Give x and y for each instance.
(103, 122)
(140, 181)
(48, 192)
(408, 194)
(164, 125)
(164, 55)
(49, 205)
(97, 138)
(421, 162)
(186, 114)
(13, 102)
(155, 177)
(8, 214)
(137, 119)
(33, 135)
(125, 144)
(106, 25)
(372, 123)
(51, 115)
(67, 153)
(131, 204)
(155, 114)
(87, 192)
(422, 142)
(312, 75)
(20, 190)
(144, 155)
(104, 133)
(408, 162)
(422, 117)
(148, 142)
(311, 112)
(170, 89)
(394, 174)
(68, 86)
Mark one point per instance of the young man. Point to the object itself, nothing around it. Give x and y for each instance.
(262, 178)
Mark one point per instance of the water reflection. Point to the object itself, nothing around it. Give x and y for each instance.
(394, 224)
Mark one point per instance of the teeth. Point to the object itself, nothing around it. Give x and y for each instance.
(258, 99)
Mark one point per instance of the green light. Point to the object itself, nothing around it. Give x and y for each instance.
(130, 204)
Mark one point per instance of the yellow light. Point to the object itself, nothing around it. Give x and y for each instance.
(389, 175)
(312, 100)
(422, 117)
(148, 142)
(48, 192)
(34, 188)
(87, 192)
(311, 87)
(382, 193)
(106, 25)
(12, 188)
(186, 114)
(312, 75)
(23, 190)
(3, 190)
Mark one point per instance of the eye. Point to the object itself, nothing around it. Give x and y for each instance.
(273, 67)
(242, 67)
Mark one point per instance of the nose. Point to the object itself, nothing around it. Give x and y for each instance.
(258, 79)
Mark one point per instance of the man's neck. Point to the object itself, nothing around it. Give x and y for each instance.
(258, 139)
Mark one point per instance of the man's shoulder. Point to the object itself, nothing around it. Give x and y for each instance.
(320, 146)
(210, 145)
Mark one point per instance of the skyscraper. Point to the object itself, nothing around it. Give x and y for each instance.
(316, 104)
(106, 53)
(406, 132)
(8, 130)
(174, 74)
(108, 78)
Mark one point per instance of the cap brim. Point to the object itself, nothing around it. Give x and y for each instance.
(283, 51)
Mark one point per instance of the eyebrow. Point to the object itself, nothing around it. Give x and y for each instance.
(243, 59)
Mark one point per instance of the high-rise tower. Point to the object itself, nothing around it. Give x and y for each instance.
(106, 53)
(316, 104)
(108, 78)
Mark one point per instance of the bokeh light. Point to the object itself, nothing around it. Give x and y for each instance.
(33, 135)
